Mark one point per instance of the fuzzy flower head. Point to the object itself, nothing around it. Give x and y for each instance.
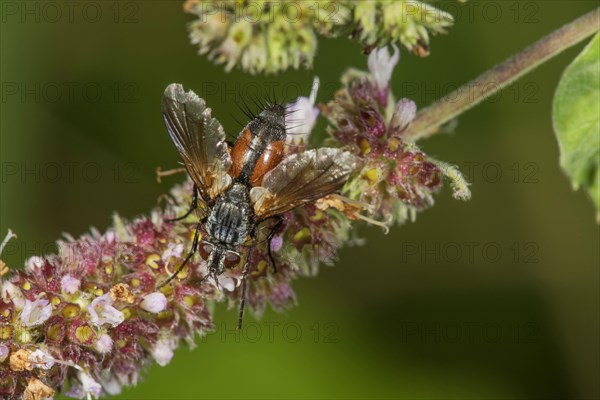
(397, 178)
(409, 22)
(263, 36)
(269, 37)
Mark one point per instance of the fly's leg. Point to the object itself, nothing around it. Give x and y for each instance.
(272, 234)
(189, 256)
(244, 288)
(160, 173)
(193, 206)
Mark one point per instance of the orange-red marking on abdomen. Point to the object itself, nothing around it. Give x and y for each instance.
(270, 157)
(238, 153)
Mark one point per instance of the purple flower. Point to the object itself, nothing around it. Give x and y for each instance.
(3, 352)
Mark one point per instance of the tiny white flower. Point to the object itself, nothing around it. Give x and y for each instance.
(89, 385)
(154, 302)
(163, 351)
(69, 284)
(110, 237)
(35, 312)
(109, 383)
(226, 282)
(381, 65)
(10, 292)
(104, 344)
(173, 250)
(102, 312)
(3, 352)
(303, 115)
(41, 359)
(34, 263)
(404, 113)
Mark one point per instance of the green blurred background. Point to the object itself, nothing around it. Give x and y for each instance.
(431, 310)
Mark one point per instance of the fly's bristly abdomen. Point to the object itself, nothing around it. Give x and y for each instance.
(259, 148)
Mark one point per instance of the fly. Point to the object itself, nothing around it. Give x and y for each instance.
(236, 189)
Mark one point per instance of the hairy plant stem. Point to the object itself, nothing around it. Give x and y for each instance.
(428, 120)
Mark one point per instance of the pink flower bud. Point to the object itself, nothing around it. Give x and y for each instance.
(104, 344)
(154, 302)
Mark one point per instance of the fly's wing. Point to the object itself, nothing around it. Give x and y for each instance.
(300, 179)
(199, 138)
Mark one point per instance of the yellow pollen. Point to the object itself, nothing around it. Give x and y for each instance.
(26, 286)
(372, 175)
(71, 310)
(151, 261)
(188, 300)
(84, 333)
(53, 331)
(6, 332)
(301, 234)
(365, 147)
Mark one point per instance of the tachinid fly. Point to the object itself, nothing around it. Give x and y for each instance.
(237, 189)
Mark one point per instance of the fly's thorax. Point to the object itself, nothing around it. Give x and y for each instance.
(259, 148)
(230, 220)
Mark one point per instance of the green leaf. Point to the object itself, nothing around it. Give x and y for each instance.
(576, 117)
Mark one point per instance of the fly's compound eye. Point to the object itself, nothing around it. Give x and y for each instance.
(231, 259)
(205, 249)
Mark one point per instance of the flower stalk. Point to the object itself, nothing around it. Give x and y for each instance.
(91, 319)
(429, 120)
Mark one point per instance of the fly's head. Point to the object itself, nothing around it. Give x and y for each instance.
(218, 256)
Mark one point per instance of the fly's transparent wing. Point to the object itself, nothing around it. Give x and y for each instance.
(300, 179)
(199, 138)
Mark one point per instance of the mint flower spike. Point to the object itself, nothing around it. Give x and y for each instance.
(382, 22)
(397, 179)
(91, 319)
(270, 37)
